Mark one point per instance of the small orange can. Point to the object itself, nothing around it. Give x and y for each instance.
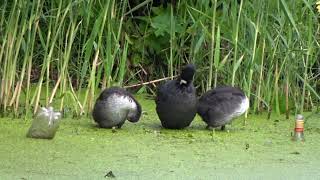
(299, 128)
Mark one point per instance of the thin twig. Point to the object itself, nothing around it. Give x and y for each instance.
(137, 7)
(149, 82)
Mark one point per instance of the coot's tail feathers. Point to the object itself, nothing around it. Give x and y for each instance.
(187, 74)
(228, 89)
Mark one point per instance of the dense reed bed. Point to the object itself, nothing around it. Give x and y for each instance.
(63, 52)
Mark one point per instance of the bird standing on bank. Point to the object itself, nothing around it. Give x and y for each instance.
(114, 106)
(221, 105)
(176, 102)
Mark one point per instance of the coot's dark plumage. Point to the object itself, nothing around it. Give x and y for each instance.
(114, 106)
(220, 106)
(176, 101)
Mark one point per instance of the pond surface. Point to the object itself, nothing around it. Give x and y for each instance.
(261, 150)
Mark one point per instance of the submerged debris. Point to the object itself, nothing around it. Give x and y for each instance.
(268, 142)
(295, 152)
(247, 146)
(110, 175)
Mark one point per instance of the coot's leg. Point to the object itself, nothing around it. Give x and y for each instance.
(114, 129)
(119, 125)
(223, 128)
(209, 127)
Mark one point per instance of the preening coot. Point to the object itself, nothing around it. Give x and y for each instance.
(114, 106)
(176, 102)
(221, 105)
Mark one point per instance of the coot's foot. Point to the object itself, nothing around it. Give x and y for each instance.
(223, 128)
(210, 128)
(114, 129)
(119, 125)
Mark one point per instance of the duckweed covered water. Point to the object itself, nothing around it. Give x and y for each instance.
(261, 150)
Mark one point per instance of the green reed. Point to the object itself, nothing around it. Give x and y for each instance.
(62, 53)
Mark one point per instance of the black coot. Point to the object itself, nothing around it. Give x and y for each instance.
(221, 105)
(114, 106)
(176, 101)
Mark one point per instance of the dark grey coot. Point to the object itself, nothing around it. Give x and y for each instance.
(114, 106)
(221, 105)
(176, 101)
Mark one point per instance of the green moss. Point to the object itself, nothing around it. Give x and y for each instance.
(261, 150)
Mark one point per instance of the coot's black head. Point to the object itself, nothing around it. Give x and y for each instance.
(134, 115)
(187, 74)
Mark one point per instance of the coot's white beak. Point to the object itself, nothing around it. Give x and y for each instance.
(183, 81)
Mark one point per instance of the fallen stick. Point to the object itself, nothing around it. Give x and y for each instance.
(149, 82)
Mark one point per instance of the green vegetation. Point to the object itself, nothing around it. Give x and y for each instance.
(263, 150)
(64, 51)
